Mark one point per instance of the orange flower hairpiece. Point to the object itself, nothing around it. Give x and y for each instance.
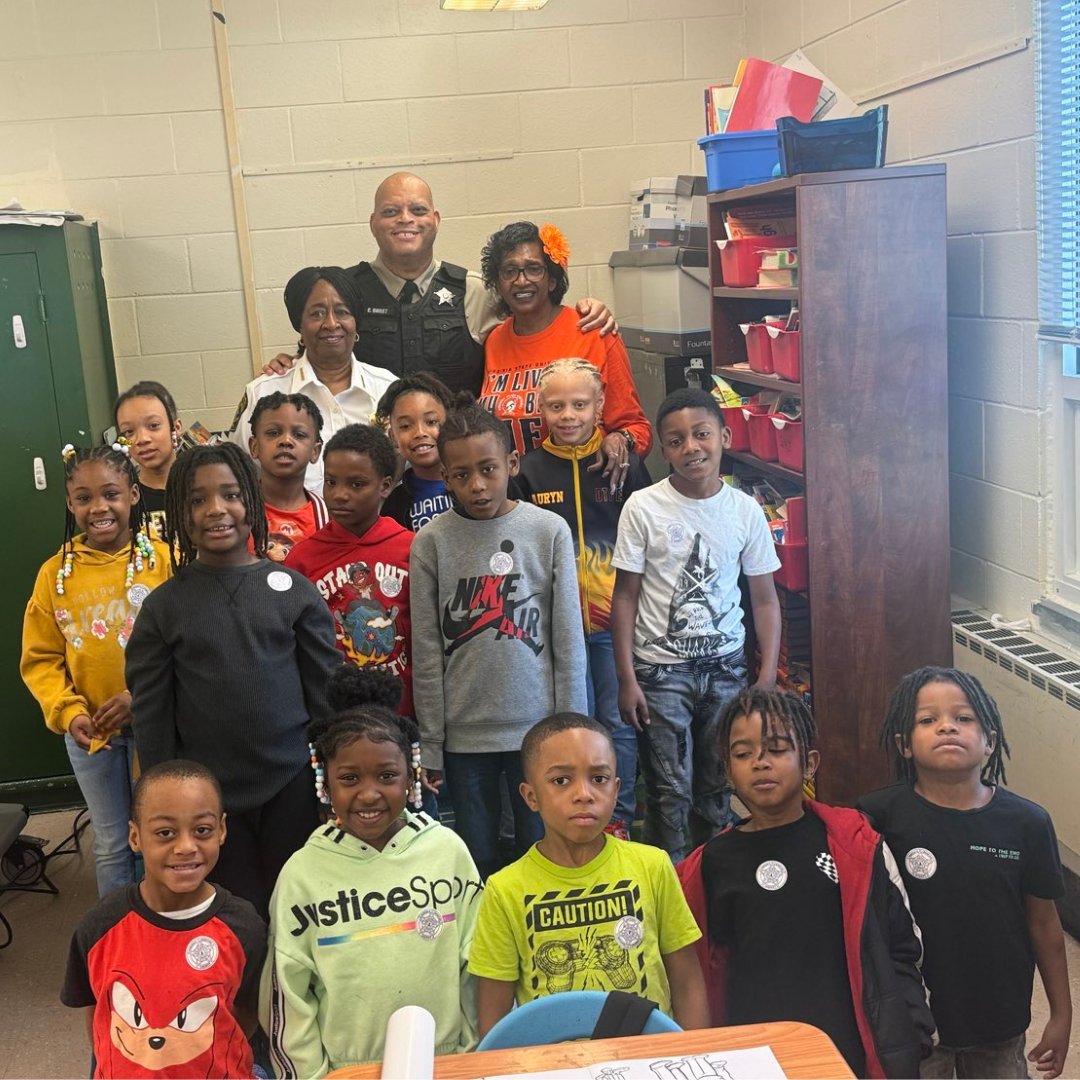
(555, 246)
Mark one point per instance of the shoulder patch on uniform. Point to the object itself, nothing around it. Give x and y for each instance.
(240, 410)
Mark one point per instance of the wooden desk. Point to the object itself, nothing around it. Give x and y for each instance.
(804, 1053)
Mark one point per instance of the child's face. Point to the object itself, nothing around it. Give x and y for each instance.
(218, 519)
(179, 833)
(285, 443)
(477, 470)
(570, 406)
(144, 422)
(765, 770)
(415, 422)
(571, 784)
(947, 737)
(693, 443)
(100, 498)
(369, 786)
(354, 490)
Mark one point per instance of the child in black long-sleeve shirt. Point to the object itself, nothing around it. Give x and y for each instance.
(230, 664)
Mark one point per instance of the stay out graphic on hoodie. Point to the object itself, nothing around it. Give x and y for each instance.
(365, 583)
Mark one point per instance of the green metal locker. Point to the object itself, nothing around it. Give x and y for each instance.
(58, 383)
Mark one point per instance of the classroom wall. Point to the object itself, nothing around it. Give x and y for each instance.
(959, 82)
(113, 107)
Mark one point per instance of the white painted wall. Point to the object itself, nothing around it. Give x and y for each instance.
(113, 107)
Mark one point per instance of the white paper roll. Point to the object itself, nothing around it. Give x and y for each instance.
(409, 1053)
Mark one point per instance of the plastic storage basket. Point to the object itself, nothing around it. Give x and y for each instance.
(856, 142)
(739, 158)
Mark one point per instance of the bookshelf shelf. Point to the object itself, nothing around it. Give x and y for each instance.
(874, 396)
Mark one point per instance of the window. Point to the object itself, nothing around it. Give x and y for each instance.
(1058, 198)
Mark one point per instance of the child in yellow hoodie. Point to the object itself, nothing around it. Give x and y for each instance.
(76, 628)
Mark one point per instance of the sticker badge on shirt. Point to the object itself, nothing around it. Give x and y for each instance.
(771, 875)
(920, 863)
(629, 932)
(136, 594)
(279, 581)
(390, 585)
(201, 952)
(428, 924)
(501, 563)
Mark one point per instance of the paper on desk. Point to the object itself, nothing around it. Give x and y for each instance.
(755, 1063)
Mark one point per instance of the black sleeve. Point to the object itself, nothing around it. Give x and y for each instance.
(76, 991)
(250, 929)
(1041, 876)
(871, 806)
(904, 941)
(148, 670)
(317, 655)
(396, 506)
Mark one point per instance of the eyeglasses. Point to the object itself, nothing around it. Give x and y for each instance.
(533, 271)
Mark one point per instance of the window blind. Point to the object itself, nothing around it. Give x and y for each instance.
(1058, 176)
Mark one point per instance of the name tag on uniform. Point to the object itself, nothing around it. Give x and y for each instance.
(376, 311)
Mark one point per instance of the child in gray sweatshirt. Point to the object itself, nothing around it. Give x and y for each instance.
(497, 636)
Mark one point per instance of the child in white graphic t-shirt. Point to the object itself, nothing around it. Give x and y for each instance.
(676, 620)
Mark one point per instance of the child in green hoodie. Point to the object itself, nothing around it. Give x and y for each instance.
(381, 888)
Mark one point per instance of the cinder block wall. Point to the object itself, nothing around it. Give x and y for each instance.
(979, 120)
(113, 107)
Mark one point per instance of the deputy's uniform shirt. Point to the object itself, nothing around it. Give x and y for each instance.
(774, 902)
(967, 873)
(603, 926)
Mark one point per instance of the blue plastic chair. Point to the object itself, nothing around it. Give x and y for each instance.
(560, 1018)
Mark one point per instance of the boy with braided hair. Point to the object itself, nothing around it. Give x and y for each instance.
(800, 904)
(982, 868)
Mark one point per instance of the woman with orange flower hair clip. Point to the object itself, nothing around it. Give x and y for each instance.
(526, 268)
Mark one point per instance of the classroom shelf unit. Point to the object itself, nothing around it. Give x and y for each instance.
(872, 302)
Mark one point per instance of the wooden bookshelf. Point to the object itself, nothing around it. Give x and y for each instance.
(872, 301)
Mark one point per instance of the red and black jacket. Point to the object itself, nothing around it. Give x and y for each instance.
(884, 947)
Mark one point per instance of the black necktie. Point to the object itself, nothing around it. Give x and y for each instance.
(409, 293)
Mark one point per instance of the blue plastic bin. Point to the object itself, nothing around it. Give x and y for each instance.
(739, 158)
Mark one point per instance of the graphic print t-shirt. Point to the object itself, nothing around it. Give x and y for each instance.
(967, 873)
(153, 500)
(603, 926)
(286, 528)
(774, 901)
(690, 552)
(164, 991)
(416, 501)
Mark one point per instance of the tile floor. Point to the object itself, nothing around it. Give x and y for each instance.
(41, 1038)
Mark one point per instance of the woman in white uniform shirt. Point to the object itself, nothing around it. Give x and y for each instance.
(322, 303)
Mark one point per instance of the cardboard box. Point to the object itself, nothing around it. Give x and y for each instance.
(666, 232)
(662, 299)
(668, 211)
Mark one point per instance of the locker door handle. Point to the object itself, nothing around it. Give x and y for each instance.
(40, 481)
(18, 331)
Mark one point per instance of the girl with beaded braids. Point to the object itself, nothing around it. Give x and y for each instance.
(981, 866)
(381, 888)
(75, 632)
(228, 664)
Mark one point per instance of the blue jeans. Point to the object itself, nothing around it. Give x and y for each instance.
(105, 780)
(602, 686)
(474, 792)
(678, 752)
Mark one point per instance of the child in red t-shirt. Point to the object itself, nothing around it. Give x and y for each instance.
(286, 437)
(359, 560)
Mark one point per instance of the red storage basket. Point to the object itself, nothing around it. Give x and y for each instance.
(785, 353)
(789, 441)
(796, 517)
(762, 433)
(794, 572)
(758, 347)
(740, 431)
(740, 260)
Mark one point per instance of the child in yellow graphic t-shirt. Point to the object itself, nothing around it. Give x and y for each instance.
(598, 913)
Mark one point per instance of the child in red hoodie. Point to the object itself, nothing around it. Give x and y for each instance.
(359, 560)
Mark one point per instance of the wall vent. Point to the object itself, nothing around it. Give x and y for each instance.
(1025, 659)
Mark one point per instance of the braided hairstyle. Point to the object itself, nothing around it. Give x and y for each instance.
(900, 721)
(782, 713)
(119, 462)
(363, 705)
(467, 417)
(178, 498)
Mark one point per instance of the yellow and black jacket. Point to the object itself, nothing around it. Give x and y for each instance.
(557, 478)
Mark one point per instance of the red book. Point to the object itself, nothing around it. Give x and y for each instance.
(768, 91)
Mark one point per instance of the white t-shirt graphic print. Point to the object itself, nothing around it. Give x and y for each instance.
(689, 553)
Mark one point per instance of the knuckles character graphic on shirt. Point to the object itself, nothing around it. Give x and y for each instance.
(366, 627)
(490, 602)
